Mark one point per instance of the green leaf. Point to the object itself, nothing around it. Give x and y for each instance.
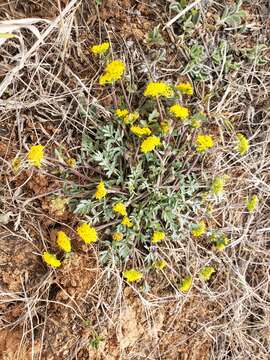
(232, 15)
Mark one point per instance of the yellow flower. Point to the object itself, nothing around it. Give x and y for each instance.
(71, 162)
(50, 259)
(117, 236)
(198, 229)
(186, 284)
(131, 117)
(185, 88)
(158, 89)
(206, 272)
(251, 203)
(149, 144)
(140, 131)
(63, 241)
(217, 185)
(220, 246)
(35, 155)
(87, 233)
(16, 163)
(120, 208)
(100, 49)
(165, 127)
(157, 236)
(132, 275)
(127, 222)
(159, 264)
(204, 142)
(101, 191)
(121, 113)
(113, 72)
(243, 144)
(179, 111)
(221, 243)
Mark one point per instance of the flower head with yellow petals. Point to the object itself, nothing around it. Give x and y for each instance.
(51, 259)
(35, 155)
(127, 222)
(185, 88)
(63, 241)
(101, 191)
(100, 49)
(140, 131)
(180, 112)
(132, 275)
(87, 233)
(120, 208)
(243, 144)
(155, 89)
(113, 72)
(149, 144)
(204, 142)
(121, 113)
(157, 236)
(117, 236)
(198, 229)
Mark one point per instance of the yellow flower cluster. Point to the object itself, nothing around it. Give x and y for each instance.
(140, 131)
(87, 233)
(157, 236)
(101, 191)
(198, 229)
(128, 117)
(131, 117)
(221, 243)
(121, 113)
(113, 72)
(217, 185)
(149, 144)
(186, 284)
(206, 272)
(100, 49)
(132, 275)
(159, 264)
(127, 222)
(35, 155)
(117, 236)
(51, 259)
(71, 162)
(185, 88)
(243, 144)
(158, 89)
(251, 203)
(120, 208)
(63, 241)
(204, 142)
(179, 111)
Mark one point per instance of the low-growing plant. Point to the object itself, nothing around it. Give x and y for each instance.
(146, 191)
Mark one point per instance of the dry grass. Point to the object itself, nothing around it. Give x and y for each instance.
(49, 95)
